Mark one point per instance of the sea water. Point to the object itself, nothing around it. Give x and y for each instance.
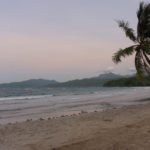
(68, 101)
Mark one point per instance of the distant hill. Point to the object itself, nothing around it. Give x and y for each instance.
(79, 83)
(108, 76)
(88, 82)
(42, 83)
(32, 83)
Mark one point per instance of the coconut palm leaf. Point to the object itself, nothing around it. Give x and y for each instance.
(146, 57)
(147, 21)
(146, 62)
(147, 68)
(146, 47)
(123, 53)
(128, 31)
(143, 27)
(140, 10)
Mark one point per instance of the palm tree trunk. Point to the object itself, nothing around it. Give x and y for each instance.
(139, 64)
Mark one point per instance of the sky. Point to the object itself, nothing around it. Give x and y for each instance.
(63, 39)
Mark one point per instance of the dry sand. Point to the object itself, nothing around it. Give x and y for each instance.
(127, 128)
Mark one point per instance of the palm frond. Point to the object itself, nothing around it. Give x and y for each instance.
(146, 58)
(146, 47)
(143, 14)
(146, 62)
(123, 53)
(140, 10)
(128, 31)
(147, 68)
(147, 22)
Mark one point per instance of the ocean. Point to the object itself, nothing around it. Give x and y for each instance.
(68, 101)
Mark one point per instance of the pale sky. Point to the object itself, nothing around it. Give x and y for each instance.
(62, 39)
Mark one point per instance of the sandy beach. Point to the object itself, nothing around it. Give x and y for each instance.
(126, 128)
(69, 80)
(19, 109)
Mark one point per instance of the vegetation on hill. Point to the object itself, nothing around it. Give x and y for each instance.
(32, 83)
(80, 83)
(128, 82)
(106, 79)
(88, 82)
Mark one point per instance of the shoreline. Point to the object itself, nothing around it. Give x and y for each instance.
(52, 107)
(143, 101)
(109, 129)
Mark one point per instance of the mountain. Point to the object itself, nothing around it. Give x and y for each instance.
(42, 83)
(79, 83)
(109, 76)
(32, 83)
(88, 82)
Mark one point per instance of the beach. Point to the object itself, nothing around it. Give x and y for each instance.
(64, 84)
(125, 128)
(68, 101)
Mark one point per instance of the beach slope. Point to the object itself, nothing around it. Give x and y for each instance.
(126, 128)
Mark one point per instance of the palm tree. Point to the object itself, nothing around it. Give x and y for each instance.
(141, 40)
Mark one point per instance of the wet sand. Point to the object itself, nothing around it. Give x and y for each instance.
(19, 109)
(126, 128)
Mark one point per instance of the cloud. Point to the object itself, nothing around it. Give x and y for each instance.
(132, 70)
(110, 69)
(107, 70)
